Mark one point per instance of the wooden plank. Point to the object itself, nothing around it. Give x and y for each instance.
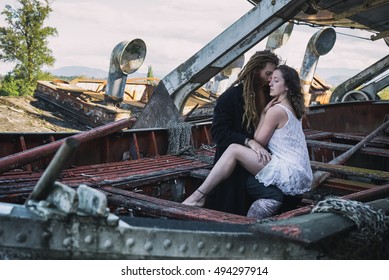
(346, 185)
(378, 139)
(317, 134)
(350, 170)
(153, 206)
(344, 147)
(320, 176)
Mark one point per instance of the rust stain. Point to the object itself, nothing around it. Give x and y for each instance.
(290, 230)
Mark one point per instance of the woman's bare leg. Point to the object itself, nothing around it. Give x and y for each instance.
(223, 168)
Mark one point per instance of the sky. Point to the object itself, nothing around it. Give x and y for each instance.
(173, 31)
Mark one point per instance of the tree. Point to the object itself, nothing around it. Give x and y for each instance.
(24, 42)
(150, 73)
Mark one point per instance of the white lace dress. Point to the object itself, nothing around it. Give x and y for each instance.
(289, 168)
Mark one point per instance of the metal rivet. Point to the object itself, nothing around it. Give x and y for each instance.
(88, 239)
(107, 244)
(228, 246)
(266, 250)
(167, 243)
(148, 246)
(255, 248)
(183, 248)
(21, 237)
(214, 249)
(242, 249)
(130, 242)
(200, 245)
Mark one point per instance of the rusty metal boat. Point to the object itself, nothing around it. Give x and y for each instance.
(114, 192)
(143, 183)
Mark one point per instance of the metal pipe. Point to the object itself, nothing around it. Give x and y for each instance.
(280, 36)
(319, 44)
(22, 158)
(359, 79)
(126, 58)
(57, 164)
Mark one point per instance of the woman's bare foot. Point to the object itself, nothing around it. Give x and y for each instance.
(196, 199)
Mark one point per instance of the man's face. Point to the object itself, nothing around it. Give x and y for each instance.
(264, 75)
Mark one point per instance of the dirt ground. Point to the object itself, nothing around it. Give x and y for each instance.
(28, 114)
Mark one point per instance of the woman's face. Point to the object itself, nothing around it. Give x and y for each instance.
(277, 84)
(264, 76)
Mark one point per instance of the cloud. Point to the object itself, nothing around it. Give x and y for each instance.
(173, 31)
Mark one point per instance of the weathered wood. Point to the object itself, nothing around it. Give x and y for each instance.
(377, 140)
(163, 208)
(317, 134)
(346, 185)
(320, 176)
(344, 147)
(350, 170)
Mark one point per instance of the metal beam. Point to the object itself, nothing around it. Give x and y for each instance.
(365, 75)
(250, 29)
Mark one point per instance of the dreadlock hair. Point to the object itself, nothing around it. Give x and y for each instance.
(256, 63)
(295, 94)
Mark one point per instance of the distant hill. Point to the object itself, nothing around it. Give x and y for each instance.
(87, 72)
(71, 71)
(333, 76)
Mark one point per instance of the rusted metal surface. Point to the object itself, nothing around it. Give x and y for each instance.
(126, 144)
(316, 227)
(151, 183)
(59, 162)
(143, 175)
(356, 117)
(135, 161)
(20, 159)
(351, 14)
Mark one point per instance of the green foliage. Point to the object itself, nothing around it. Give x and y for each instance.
(150, 73)
(9, 86)
(24, 42)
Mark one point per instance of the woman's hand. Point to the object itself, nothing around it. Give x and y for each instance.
(270, 104)
(263, 155)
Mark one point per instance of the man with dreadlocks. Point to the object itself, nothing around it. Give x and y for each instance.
(278, 157)
(236, 115)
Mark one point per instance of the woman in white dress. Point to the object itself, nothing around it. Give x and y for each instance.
(282, 158)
